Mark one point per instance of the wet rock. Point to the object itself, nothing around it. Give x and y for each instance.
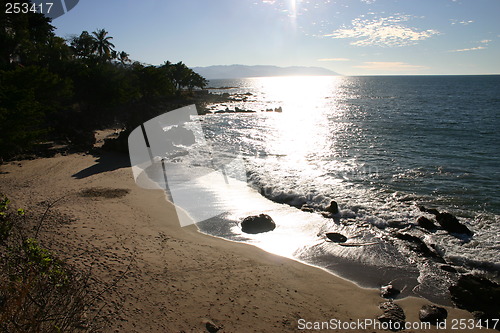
(393, 314)
(389, 291)
(419, 246)
(451, 224)
(336, 237)
(257, 224)
(432, 314)
(428, 210)
(425, 223)
(332, 208)
(307, 208)
(474, 293)
(448, 268)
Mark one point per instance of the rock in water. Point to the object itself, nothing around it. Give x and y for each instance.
(257, 224)
(419, 246)
(393, 314)
(389, 291)
(336, 237)
(307, 208)
(425, 223)
(432, 314)
(451, 224)
(448, 268)
(333, 207)
(428, 210)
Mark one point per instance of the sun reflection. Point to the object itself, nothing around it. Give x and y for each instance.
(303, 127)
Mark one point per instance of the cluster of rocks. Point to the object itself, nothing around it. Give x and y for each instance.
(236, 110)
(395, 316)
(446, 221)
(278, 109)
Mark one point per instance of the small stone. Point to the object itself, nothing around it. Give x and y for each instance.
(389, 291)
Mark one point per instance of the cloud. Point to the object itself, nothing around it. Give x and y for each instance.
(334, 59)
(385, 31)
(470, 49)
(485, 41)
(368, 2)
(453, 22)
(391, 66)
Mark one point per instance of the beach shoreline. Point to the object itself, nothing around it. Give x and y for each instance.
(175, 279)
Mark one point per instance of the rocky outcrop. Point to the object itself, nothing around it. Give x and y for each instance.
(432, 314)
(451, 224)
(257, 224)
(419, 246)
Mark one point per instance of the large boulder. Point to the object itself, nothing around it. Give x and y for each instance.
(451, 224)
(257, 224)
(432, 314)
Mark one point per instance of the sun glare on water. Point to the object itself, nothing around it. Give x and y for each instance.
(302, 127)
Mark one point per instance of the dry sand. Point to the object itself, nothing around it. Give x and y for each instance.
(177, 277)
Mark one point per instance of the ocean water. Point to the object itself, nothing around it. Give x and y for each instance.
(380, 147)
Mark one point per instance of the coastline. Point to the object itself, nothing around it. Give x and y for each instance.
(180, 277)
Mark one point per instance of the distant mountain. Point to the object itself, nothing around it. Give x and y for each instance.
(240, 71)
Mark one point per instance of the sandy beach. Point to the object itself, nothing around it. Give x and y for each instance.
(175, 279)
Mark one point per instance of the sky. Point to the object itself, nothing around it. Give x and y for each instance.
(351, 37)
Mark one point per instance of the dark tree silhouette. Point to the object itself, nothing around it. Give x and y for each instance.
(102, 44)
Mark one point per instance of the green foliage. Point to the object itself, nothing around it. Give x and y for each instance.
(24, 38)
(28, 98)
(64, 90)
(5, 222)
(38, 292)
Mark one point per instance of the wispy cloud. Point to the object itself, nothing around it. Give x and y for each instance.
(384, 31)
(391, 66)
(334, 59)
(485, 41)
(470, 49)
(368, 2)
(453, 22)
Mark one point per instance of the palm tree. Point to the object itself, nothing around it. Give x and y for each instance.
(123, 57)
(103, 47)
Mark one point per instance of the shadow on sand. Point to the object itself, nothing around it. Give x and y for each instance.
(106, 161)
